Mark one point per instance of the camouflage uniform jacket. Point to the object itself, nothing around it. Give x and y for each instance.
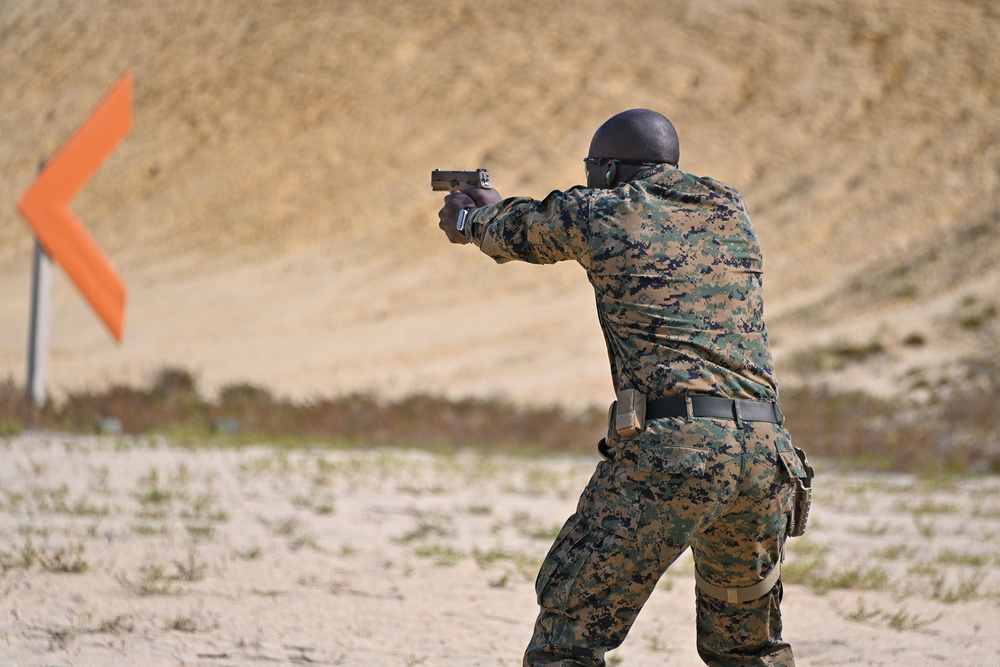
(676, 268)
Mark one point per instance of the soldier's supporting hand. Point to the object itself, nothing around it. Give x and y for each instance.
(455, 202)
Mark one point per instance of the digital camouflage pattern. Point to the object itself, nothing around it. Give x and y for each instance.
(728, 496)
(676, 269)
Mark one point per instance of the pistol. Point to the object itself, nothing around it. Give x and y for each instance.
(455, 181)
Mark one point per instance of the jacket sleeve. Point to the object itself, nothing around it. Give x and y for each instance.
(539, 232)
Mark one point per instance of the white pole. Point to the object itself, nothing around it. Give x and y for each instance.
(40, 327)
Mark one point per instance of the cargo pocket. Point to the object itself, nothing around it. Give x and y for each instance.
(653, 470)
(592, 559)
(686, 461)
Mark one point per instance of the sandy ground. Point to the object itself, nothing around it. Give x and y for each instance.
(125, 552)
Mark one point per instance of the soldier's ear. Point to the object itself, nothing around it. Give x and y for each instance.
(611, 174)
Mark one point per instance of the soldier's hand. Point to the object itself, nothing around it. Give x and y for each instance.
(448, 215)
(483, 196)
(455, 202)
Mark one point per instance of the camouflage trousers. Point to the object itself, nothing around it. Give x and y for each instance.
(724, 491)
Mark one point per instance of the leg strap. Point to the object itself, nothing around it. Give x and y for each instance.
(744, 594)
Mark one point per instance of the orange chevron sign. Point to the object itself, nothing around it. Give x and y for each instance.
(45, 205)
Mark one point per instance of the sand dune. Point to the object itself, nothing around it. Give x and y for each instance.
(271, 212)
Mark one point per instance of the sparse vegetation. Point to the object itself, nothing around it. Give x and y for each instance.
(172, 405)
(974, 315)
(896, 552)
(966, 588)
(192, 569)
(441, 554)
(836, 356)
(66, 560)
(60, 638)
(871, 529)
(156, 580)
(182, 624)
(897, 620)
(955, 430)
(425, 529)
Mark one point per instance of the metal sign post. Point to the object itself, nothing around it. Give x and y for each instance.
(40, 326)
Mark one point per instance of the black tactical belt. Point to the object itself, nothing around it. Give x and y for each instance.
(737, 409)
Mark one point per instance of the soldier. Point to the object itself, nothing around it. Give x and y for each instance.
(696, 455)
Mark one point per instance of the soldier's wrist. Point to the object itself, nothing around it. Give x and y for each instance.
(462, 218)
(470, 223)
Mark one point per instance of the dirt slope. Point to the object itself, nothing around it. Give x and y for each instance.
(272, 216)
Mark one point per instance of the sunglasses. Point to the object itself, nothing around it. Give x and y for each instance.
(601, 161)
